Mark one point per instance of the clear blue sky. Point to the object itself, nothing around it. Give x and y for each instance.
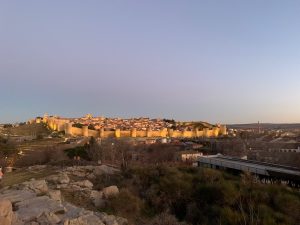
(219, 61)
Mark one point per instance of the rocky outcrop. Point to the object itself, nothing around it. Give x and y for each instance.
(61, 178)
(103, 169)
(84, 184)
(55, 195)
(48, 219)
(90, 171)
(40, 202)
(6, 213)
(97, 198)
(17, 195)
(38, 186)
(85, 220)
(33, 208)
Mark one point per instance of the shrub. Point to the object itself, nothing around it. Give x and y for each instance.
(77, 151)
(125, 204)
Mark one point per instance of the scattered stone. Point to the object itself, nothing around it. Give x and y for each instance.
(110, 191)
(6, 213)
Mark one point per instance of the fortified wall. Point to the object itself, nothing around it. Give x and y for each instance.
(65, 125)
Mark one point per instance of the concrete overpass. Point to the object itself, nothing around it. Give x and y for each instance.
(267, 171)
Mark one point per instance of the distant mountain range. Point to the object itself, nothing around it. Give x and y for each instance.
(268, 126)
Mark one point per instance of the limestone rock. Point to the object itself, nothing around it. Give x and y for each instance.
(110, 191)
(38, 186)
(84, 184)
(61, 178)
(97, 198)
(103, 169)
(84, 220)
(112, 220)
(79, 174)
(91, 176)
(122, 221)
(17, 195)
(33, 208)
(6, 213)
(37, 167)
(55, 195)
(62, 186)
(48, 219)
(73, 211)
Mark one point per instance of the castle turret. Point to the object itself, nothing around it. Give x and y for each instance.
(149, 132)
(223, 129)
(54, 126)
(85, 131)
(195, 132)
(101, 132)
(45, 118)
(170, 132)
(164, 132)
(184, 133)
(60, 125)
(205, 132)
(118, 133)
(68, 129)
(216, 131)
(133, 132)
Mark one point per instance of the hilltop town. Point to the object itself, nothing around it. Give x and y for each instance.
(136, 127)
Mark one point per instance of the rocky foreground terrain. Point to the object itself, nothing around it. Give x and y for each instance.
(42, 202)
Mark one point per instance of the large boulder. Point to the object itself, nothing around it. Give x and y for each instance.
(48, 219)
(31, 209)
(103, 169)
(6, 213)
(61, 178)
(97, 198)
(55, 195)
(110, 191)
(17, 195)
(38, 186)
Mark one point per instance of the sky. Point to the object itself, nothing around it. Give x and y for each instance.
(218, 61)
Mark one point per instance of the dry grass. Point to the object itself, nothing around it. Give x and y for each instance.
(28, 129)
(20, 176)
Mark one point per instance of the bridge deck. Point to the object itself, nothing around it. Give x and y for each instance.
(259, 168)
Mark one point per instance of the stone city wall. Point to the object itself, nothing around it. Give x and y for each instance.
(66, 126)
